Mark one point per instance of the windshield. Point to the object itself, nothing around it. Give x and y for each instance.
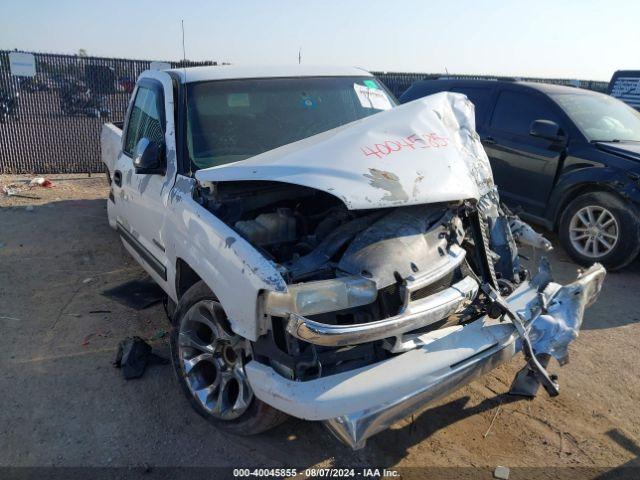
(601, 117)
(231, 120)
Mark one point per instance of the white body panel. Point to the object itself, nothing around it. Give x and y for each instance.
(452, 167)
(140, 206)
(239, 72)
(110, 145)
(234, 270)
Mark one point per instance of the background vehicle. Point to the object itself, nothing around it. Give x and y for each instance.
(7, 105)
(9, 96)
(569, 158)
(77, 98)
(126, 84)
(32, 85)
(625, 86)
(100, 79)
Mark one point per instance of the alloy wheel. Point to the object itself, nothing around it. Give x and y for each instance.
(593, 231)
(212, 360)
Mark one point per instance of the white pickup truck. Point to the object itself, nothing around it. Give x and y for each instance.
(326, 253)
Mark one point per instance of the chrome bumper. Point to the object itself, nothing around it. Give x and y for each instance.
(418, 314)
(360, 403)
(354, 429)
(413, 314)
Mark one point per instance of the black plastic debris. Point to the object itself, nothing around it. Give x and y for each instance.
(134, 354)
(137, 294)
(526, 382)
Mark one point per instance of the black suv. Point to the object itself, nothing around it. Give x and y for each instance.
(569, 158)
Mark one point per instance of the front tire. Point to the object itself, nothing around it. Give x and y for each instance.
(600, 227)
(208, 359)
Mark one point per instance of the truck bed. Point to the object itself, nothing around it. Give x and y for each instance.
(110, 144)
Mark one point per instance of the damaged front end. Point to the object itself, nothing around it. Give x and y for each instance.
(390, 305)
(389, 309)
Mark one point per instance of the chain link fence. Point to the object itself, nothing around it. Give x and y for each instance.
(50, 123)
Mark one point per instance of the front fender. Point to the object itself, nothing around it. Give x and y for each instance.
(232, 268)
(574, 182)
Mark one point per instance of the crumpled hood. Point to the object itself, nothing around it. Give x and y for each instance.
(630, 150)
(424, 151)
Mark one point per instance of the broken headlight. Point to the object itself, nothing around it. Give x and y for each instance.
(320, 297)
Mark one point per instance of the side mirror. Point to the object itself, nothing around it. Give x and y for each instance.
(547, 129)
(149, 157)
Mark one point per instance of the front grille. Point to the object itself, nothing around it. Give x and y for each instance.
(390, 300)
(435, 287)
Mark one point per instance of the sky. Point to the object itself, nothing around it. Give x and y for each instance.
(585, 39)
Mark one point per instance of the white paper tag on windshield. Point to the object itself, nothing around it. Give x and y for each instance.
(372, 97)
(363, 95)
(379, 99)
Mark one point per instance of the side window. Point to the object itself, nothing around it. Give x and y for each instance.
(145, 119)
(479, 96)
(515, 111)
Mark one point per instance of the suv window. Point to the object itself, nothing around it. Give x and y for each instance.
(479, 96)
(515, 111)
(145, 119)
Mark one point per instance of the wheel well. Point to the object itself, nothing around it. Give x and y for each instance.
(575, 193)
(186, 277)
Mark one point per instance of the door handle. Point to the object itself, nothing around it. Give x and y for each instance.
(117, 178)
(488, 140)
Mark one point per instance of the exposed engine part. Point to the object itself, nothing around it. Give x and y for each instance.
(403, 243)
(413, 256)
(484, 258)
(269, 228)
(329, 246)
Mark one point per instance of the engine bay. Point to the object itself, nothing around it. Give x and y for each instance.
(386, 260)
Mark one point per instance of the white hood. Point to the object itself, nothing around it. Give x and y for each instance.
(352, 163)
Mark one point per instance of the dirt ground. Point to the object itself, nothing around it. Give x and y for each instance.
(63, 404)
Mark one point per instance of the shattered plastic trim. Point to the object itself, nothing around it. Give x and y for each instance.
(525, 235)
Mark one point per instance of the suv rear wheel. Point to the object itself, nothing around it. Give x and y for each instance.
(209, 360)
(600, 227)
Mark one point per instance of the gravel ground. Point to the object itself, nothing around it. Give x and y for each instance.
(62, 403)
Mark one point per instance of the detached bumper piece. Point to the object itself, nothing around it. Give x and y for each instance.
(359, 403)
(557, 323)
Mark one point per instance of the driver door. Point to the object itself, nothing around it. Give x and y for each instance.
(141, 198)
